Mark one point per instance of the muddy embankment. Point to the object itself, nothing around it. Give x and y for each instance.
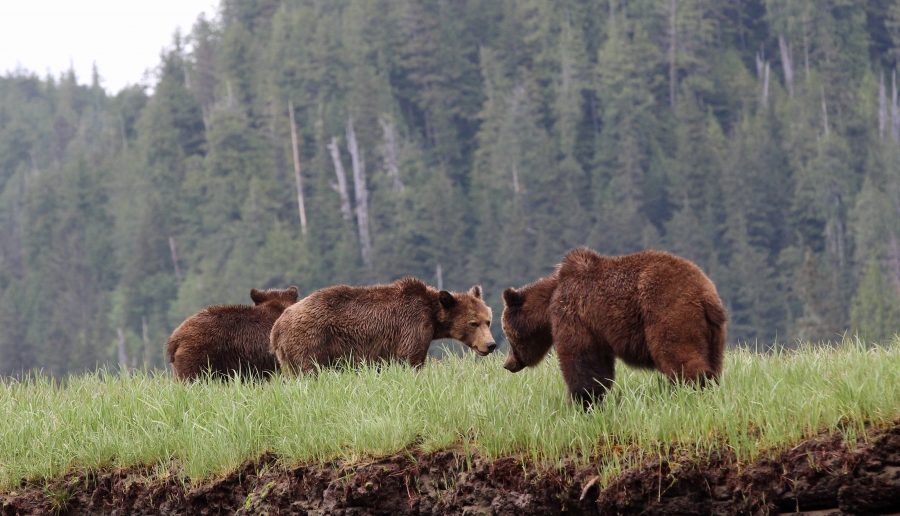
(822, 476)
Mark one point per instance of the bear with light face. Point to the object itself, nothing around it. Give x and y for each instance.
(651, 309)
(378, 323)
(225, 340)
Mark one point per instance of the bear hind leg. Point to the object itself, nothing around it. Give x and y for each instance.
(681, 355)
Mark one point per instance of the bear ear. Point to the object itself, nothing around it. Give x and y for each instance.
(476, 291)
(258, 296)
(292, 293)
(513, 297)
(447, 300)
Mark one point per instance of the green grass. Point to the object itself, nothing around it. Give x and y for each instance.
(209, 428)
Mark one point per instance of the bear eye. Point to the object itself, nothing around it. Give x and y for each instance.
(473, 324)
(489, 324)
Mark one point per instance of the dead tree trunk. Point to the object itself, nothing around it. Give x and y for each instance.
(824, 112)
(362, 195)
(762, 70)
(787, 63)
(296, 153)
(882, 107)
(341, 186)
(178, 276)
(440, 277)
(145, 334)
(673, 10)
(895, 115)
(123, 354)
(390, 153)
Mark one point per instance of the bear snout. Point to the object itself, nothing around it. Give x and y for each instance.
(512, 365)
(492, 346)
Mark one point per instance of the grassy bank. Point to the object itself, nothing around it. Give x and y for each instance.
(764, 401)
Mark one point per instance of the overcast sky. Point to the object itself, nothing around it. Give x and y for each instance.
(124, 37)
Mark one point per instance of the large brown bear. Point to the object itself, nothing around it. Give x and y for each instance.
(377, 323)
(225, 340)
(651, 309)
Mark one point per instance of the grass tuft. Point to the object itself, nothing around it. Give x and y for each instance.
(764, 401)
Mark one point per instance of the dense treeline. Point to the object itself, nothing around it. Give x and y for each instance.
(461, 142)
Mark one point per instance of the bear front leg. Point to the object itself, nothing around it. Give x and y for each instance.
(414, 346)
(588, 367)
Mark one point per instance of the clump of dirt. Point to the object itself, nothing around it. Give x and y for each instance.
(823, 475)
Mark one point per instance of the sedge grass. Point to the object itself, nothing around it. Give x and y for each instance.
(764, 401)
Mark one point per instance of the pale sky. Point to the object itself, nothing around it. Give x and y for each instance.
(124, 37)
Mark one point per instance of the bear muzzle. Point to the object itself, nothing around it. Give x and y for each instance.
(486, 349)
(512, 365)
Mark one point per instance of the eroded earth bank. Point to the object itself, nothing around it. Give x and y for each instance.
(821, 476)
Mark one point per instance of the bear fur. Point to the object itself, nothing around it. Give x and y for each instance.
(378, 323)
(225, 340)
(650, 309)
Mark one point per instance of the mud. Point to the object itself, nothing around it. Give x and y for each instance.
(822, 476)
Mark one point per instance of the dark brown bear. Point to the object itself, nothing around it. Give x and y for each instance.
(225, 340)
(377, 323)
(651, 309)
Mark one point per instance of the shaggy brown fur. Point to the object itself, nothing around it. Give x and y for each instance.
(651, 309)
(229, 339)
(381, 322)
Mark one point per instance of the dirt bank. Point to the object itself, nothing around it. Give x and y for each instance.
(821, 476)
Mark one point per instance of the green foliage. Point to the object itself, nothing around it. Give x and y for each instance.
(750, 136)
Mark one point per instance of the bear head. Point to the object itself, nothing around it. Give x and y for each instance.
(274, 298)
(468, 319)
(526, 323)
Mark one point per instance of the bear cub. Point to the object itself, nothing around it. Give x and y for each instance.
(650, 309)
(225, 340)
(377, 323)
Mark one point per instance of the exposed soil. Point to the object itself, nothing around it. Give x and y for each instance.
(822, 476)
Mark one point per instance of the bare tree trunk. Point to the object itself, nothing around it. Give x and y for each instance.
(178, 276)
(882, 107)
(390, 153)
(895, 115)
(123, 353)
(440, 277)
(762, 71)
(300, 205)
(341, 186)
(362, 195)
(145, 334)
(787, 63)
(515, 179)
(673, 9)
(893, 258)
(824, 112)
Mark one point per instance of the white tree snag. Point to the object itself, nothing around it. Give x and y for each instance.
(882, 107)
(515, 178)
(341, 186)
(440, 277)
(362, 195)
(673, 33)
(762, 71)
(390, 153)
(787, 63)
(824, 112)
(895, 115)
(145, 334)
(178, 276)
(297, 177)
(123, 355)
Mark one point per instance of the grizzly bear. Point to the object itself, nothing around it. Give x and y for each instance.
(378, 323)
(651, 309)
(225, 340)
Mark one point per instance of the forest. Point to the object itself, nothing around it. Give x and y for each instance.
(317, 142)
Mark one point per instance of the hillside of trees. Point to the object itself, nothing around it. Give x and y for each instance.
(465, 142)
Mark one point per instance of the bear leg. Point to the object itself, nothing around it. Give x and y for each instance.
(588, 367)
(681, 354)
